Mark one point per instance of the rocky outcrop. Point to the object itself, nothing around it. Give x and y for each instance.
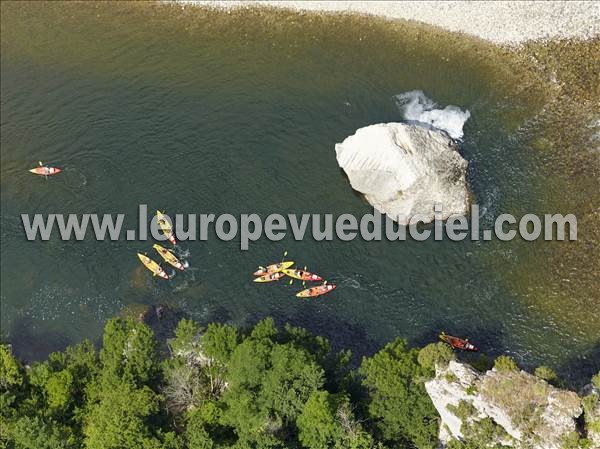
(405, 170)
(527, 411)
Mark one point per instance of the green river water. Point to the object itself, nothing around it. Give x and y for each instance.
(195, 111)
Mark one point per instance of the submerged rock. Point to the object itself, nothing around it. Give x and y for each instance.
(525, 410)
(405, 170)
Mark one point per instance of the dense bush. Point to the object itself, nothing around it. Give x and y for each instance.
(504, 364)
(547, 374)
(483, 434)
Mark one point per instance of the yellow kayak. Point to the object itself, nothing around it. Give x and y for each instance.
(270, 277)
(166, 227)
(275, 268)
(153, 266)
(301, 274)
(168, 256)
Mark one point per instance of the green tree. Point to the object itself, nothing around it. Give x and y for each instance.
(398, 401)
(265, 330)
(197, 372)
(317, 425)
(219, 342)
(121, 406)
(327, 422)
(435, 354)
(10, 370)
(37, 433)
(187, 339)
(293, 376)
(318, 346)
(12, 381)
(80, 360)
(196, 436)
(128, 352)
(247, 369)
(268, 384)
(120, 419)
(59, 388)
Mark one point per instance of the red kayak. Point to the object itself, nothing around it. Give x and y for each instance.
(458, 343)
(45, 171)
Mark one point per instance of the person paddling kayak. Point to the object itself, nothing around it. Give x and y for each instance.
(45, 170)
(166, 227)
(303, 275)
(269, 277)
(458, 343)
(274, 268)
(316, 291)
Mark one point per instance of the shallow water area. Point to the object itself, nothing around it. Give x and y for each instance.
(200, 111)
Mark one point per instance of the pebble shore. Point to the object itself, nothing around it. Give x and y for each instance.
(500, 22)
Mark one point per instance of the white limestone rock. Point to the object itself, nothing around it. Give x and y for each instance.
(450, 387)
(532, 413)
(405, 170)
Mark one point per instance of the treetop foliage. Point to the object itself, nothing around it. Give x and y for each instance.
(223, 388)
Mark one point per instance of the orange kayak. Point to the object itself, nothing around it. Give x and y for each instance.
(270, 277)
(316, 291)
(45, 171)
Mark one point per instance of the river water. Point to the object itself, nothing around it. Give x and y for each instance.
(198, 111)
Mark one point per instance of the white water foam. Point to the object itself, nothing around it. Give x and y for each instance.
(183, 253)
(417, 107)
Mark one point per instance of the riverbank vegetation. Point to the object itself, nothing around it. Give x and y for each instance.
(222, 387)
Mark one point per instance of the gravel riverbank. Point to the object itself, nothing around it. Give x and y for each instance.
(501, 22)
